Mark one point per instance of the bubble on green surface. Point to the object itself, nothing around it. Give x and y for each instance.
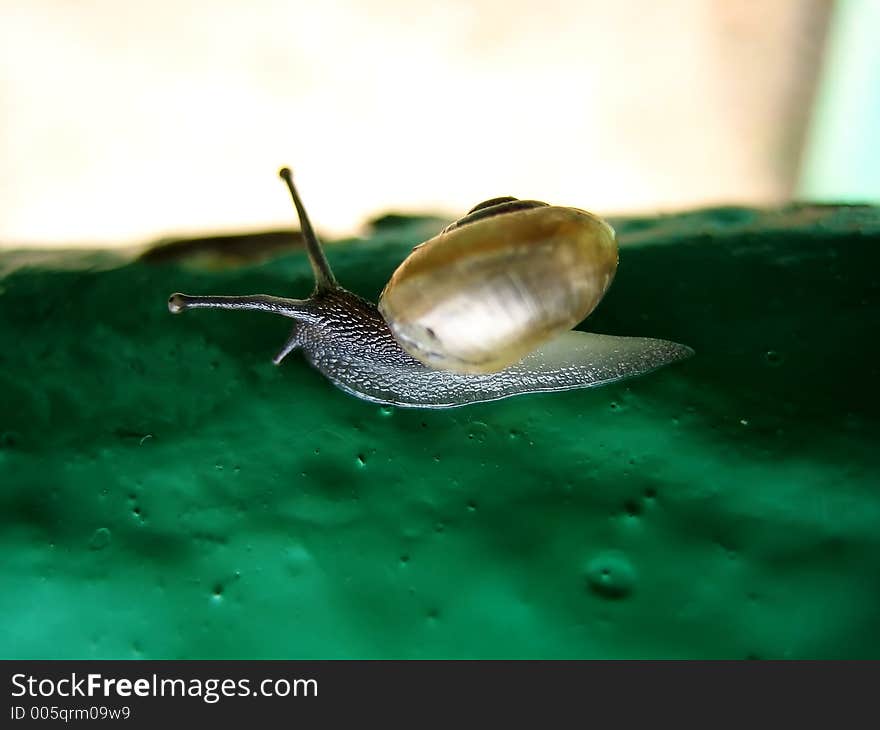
(611, 575)
(633, 507)
(297, 560)
(100, 539)
(478, 431)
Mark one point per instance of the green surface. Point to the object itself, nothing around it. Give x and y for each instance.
(167, 492)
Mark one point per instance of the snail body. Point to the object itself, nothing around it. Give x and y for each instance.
(480, 312)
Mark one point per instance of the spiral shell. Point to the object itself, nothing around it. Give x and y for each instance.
(495, 285)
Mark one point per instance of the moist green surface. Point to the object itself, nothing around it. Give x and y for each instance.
(167, 492)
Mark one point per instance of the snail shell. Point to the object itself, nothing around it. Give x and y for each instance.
(492, 287)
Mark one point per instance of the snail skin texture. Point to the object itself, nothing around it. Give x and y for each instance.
(482, 311)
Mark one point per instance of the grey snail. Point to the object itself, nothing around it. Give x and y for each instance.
(480, 312)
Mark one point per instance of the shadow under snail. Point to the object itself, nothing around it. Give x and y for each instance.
(482, 311)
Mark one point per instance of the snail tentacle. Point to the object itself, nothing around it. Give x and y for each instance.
(293, 308)
(289, 346)
(324, 278)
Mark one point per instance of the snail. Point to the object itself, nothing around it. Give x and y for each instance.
(480, 312)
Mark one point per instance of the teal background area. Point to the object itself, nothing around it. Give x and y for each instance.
(841, 158)
(166, 492)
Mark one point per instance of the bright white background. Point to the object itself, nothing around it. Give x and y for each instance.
(125, 121)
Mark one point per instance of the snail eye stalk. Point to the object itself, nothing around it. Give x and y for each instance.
(324, 278)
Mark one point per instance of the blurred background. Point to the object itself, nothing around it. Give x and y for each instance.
(127, 122)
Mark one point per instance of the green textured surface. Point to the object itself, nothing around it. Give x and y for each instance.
(167, 492)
